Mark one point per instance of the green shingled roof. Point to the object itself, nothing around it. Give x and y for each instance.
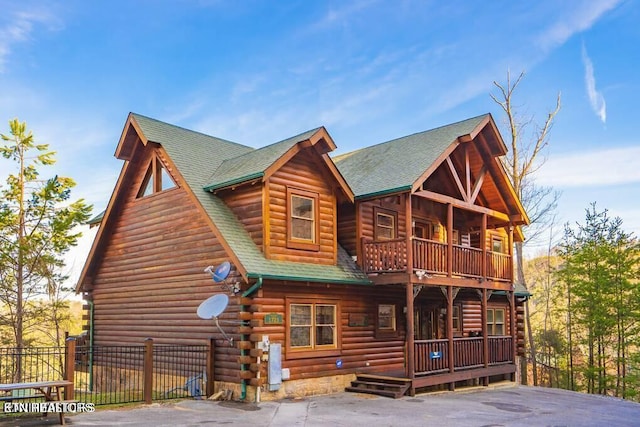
(253, 165)
(198, 156)
(396, 165)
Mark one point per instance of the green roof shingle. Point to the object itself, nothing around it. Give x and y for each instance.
(253, 164)
(198, 156)
(397, 164)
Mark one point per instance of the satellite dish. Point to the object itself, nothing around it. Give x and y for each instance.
(213, 306)
(221, 272)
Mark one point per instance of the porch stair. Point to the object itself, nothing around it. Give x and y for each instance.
(380, 385)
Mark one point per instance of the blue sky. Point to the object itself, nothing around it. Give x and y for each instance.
(256, 72)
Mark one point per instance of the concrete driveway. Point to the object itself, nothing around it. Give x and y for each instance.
(504, 406)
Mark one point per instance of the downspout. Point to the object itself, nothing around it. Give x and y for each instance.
(243, 352)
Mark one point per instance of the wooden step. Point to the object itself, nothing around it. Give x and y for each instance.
(380, 385)
(383, 378)
(384, 393)
(376, 384)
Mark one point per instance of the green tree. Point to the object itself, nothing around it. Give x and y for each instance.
(37, 227)
(599, 271)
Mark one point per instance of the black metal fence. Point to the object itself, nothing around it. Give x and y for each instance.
(31, 364)
(116, 374)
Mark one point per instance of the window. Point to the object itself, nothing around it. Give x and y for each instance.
(456, 237)
(312, 328)
(497, 244)
(385, 224)
(457, 319)
(387, 317)
(302, 226)
(423, 230)
(157, 179)
(495, 321)
(456, 314)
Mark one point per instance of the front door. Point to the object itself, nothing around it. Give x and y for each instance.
(426, 322)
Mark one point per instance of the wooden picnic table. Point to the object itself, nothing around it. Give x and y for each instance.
(50, 390)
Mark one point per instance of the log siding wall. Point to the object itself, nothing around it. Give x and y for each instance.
(301, 173)
(150, 279)
(246, 203)
(359, 344)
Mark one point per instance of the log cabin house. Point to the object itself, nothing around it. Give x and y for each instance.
(384, 270)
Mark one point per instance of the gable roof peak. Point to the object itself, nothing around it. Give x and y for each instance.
(395, 165)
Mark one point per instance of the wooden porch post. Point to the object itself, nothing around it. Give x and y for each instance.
(483, 243)
(449, 240)
(511, 254)
(485, 337)
(452, 385)
(409, 235)
(409, 339)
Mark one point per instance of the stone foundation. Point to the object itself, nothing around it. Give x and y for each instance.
(291, 389)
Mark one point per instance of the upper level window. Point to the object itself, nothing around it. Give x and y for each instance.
(156, 179)
(497, 244)
(302, 225)
(385, 224)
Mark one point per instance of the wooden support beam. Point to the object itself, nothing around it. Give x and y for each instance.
(449, 240)
(485, 338)
(461, 204)
(512, 327)
(478, 185)
(456, 178)
(483, 245)
(467, 170)
(450, 335)
(410, 327)
(409, 232)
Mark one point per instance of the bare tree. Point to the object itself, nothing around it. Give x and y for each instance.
(528, 140)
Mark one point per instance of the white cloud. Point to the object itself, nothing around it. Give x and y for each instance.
(592, 168)
(581, 17)
(18, 28)
(596, 99)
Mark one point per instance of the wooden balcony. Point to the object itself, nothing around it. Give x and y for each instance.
(390, 256)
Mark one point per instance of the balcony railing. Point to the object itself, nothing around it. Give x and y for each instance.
(431, 256)
(432, 356)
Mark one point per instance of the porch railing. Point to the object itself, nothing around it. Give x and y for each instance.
(498, 266)
(385, 256)
(431, 356)
(431, 256)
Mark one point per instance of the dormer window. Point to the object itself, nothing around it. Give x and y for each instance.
(302, 224)
(156, 179)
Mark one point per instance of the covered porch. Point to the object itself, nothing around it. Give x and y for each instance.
(468, 337)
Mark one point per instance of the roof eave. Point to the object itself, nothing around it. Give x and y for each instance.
(362, 282)
(234, 182)
(402, 189)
